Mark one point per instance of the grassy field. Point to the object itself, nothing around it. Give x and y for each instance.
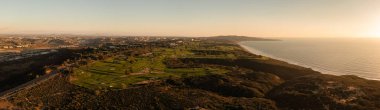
(119, 73)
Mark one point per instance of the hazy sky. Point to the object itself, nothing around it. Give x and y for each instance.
(262, 18)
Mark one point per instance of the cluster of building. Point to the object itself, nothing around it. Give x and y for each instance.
(11, 56)
(10, 42)
(14, 47)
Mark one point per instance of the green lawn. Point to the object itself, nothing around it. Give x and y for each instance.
(111, 73)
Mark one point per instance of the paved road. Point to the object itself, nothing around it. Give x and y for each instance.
(6, 94)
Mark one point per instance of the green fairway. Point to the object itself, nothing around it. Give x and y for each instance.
(119, 73)
(103, 74)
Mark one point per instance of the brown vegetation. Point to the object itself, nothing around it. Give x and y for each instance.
(252, 83)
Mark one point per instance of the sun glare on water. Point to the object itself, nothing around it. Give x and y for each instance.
(376, 30)
(376, 33)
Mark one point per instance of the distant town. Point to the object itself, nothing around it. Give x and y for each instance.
(15, 47)
(136, 72)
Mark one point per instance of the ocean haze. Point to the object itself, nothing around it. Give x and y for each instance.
(344, 56)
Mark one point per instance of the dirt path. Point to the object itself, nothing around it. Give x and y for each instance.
(6, 105)
(145, 71)
(30, 84)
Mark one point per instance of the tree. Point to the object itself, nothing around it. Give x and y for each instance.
(128, 71)
(131, 59)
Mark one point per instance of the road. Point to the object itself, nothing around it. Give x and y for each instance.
(6, 94)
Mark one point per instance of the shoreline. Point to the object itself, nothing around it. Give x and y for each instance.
(321, 70)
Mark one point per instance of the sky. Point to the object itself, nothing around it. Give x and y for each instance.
(259, 18)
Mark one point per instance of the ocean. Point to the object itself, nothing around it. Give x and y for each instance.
(338, 56)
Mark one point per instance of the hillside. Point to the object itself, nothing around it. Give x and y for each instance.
(195, 75)
(235, 38)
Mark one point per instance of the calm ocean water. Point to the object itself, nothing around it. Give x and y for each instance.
(352, 56)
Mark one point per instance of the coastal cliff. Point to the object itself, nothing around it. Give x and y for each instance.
(226, 77)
